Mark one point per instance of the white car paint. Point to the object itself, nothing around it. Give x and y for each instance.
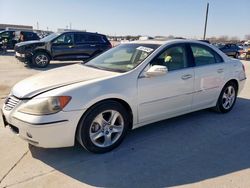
(148, 98)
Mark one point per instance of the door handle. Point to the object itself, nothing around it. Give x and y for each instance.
(93, 45)
(186, 76)
(71, 46)
(220, 70)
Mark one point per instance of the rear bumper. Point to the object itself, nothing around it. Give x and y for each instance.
(241, 84)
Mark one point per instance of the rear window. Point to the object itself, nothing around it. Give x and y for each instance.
(95, 39)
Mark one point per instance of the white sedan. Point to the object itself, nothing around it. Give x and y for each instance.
(131, 85)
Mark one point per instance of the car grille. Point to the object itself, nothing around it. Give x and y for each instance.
(11, 102)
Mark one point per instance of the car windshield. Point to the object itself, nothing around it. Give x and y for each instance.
(49, 37)
(122, 58)
(3, 34)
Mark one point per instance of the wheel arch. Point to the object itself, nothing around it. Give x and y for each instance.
(43, 51)
(235, 81)
(121, 101)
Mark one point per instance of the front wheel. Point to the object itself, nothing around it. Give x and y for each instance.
(41, 60)
(227, 98)
(103, 127)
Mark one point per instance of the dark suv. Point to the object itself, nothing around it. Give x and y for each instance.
(62, 46)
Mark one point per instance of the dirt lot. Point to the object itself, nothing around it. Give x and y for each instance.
(201, 149)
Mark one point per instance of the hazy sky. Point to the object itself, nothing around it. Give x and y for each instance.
(132, 17)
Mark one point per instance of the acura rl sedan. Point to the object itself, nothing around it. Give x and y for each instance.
(129, 86)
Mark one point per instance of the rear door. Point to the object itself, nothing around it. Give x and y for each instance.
(63, 47)
(209, 75)
(84, 47)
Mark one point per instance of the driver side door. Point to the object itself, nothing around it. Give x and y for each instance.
(63, 47)
(168, 95)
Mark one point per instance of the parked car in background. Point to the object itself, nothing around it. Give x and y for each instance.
(11, 37)
(129, 86)
(7, 39)
(245, 53)
(27, 36)
(62, 46)
(231, 50)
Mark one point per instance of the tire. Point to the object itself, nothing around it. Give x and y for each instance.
(227, 98)
(103, 127)
(41, 60)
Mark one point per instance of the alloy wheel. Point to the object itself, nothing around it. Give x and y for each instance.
(228, 97)
(106, 128)
(41, 60)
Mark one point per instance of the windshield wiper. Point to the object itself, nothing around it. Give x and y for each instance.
(92, 66)
(104, 68)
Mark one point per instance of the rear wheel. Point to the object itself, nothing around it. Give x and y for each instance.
(41, 60)
(103, 127)
(227, 98)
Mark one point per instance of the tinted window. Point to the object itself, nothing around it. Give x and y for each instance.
(204, 56)
(80, 38)
(173, 58)
(94, 38)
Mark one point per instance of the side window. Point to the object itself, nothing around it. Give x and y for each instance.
(64, 39)
(94, 39)
(174, 58)
(5, 34)
(80, 38)
(204, 56)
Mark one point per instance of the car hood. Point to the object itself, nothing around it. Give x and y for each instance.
(56, 78)
(31, 42)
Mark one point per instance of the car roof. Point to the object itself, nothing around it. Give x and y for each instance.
(162, 41)
(81, 32)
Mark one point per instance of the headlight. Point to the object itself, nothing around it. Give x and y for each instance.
(45, 106)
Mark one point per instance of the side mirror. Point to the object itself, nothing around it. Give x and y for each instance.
(156, 70)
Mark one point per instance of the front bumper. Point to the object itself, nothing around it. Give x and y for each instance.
(23, 57)
(50, 131)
